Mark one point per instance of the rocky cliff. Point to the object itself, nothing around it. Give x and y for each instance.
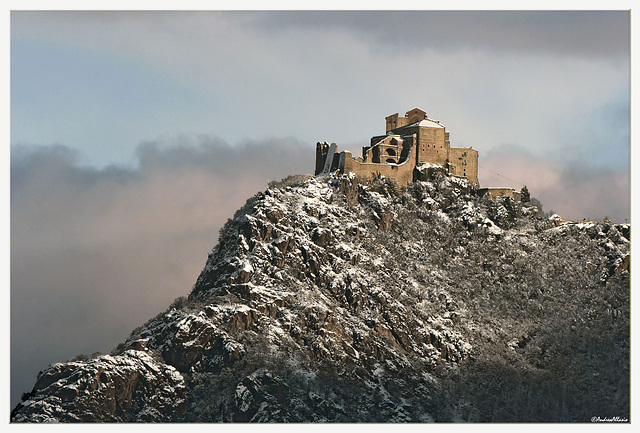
(332, 300)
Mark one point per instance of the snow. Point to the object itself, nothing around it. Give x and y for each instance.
(246, 266)
(90, 384)
(287, 308)
(429, 123)
(494, 229)
(462, 181)
(429, 165)
(243, 395)
(443, 216)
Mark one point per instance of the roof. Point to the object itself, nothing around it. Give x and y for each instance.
(429, 123)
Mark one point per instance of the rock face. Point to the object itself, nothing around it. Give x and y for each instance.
(327, 300)
(129, 387)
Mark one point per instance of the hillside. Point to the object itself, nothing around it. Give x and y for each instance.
(330, 300)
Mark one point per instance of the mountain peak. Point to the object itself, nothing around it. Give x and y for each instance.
(335, 299)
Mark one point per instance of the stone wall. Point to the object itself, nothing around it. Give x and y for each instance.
(406, 145)
(463, 161)
(394, 121)
(403, 172)
(500, 191)
(431, 144)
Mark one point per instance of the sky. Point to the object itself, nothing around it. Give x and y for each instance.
(136, 135)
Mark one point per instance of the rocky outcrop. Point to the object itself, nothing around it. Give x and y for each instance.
(128, 387)
(341, 301)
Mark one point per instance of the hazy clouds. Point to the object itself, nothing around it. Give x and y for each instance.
(96, 253)
(574, 191)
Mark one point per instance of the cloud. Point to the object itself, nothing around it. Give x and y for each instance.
(532, 78)
(96, 253)
(574, 33)
(574, 191)
(537, 94)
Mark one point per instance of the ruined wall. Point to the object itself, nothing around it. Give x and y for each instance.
(321, 156)
(403, 173)
(392, 149)
(389, 151)
(325, 151)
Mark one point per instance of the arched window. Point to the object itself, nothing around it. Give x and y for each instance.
(390, 152)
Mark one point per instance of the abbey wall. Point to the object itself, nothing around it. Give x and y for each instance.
(500, 191)
(410, 141)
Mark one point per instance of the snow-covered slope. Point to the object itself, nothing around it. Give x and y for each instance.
(330, 300)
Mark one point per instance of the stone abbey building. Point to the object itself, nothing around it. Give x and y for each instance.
(410, 141)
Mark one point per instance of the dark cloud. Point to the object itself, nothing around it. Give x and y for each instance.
(581, 33)
(96, 253)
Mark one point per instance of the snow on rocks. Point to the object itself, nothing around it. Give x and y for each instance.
(331, 278)
(103, 389)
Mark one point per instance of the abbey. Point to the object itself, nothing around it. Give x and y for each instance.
(411, 141)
